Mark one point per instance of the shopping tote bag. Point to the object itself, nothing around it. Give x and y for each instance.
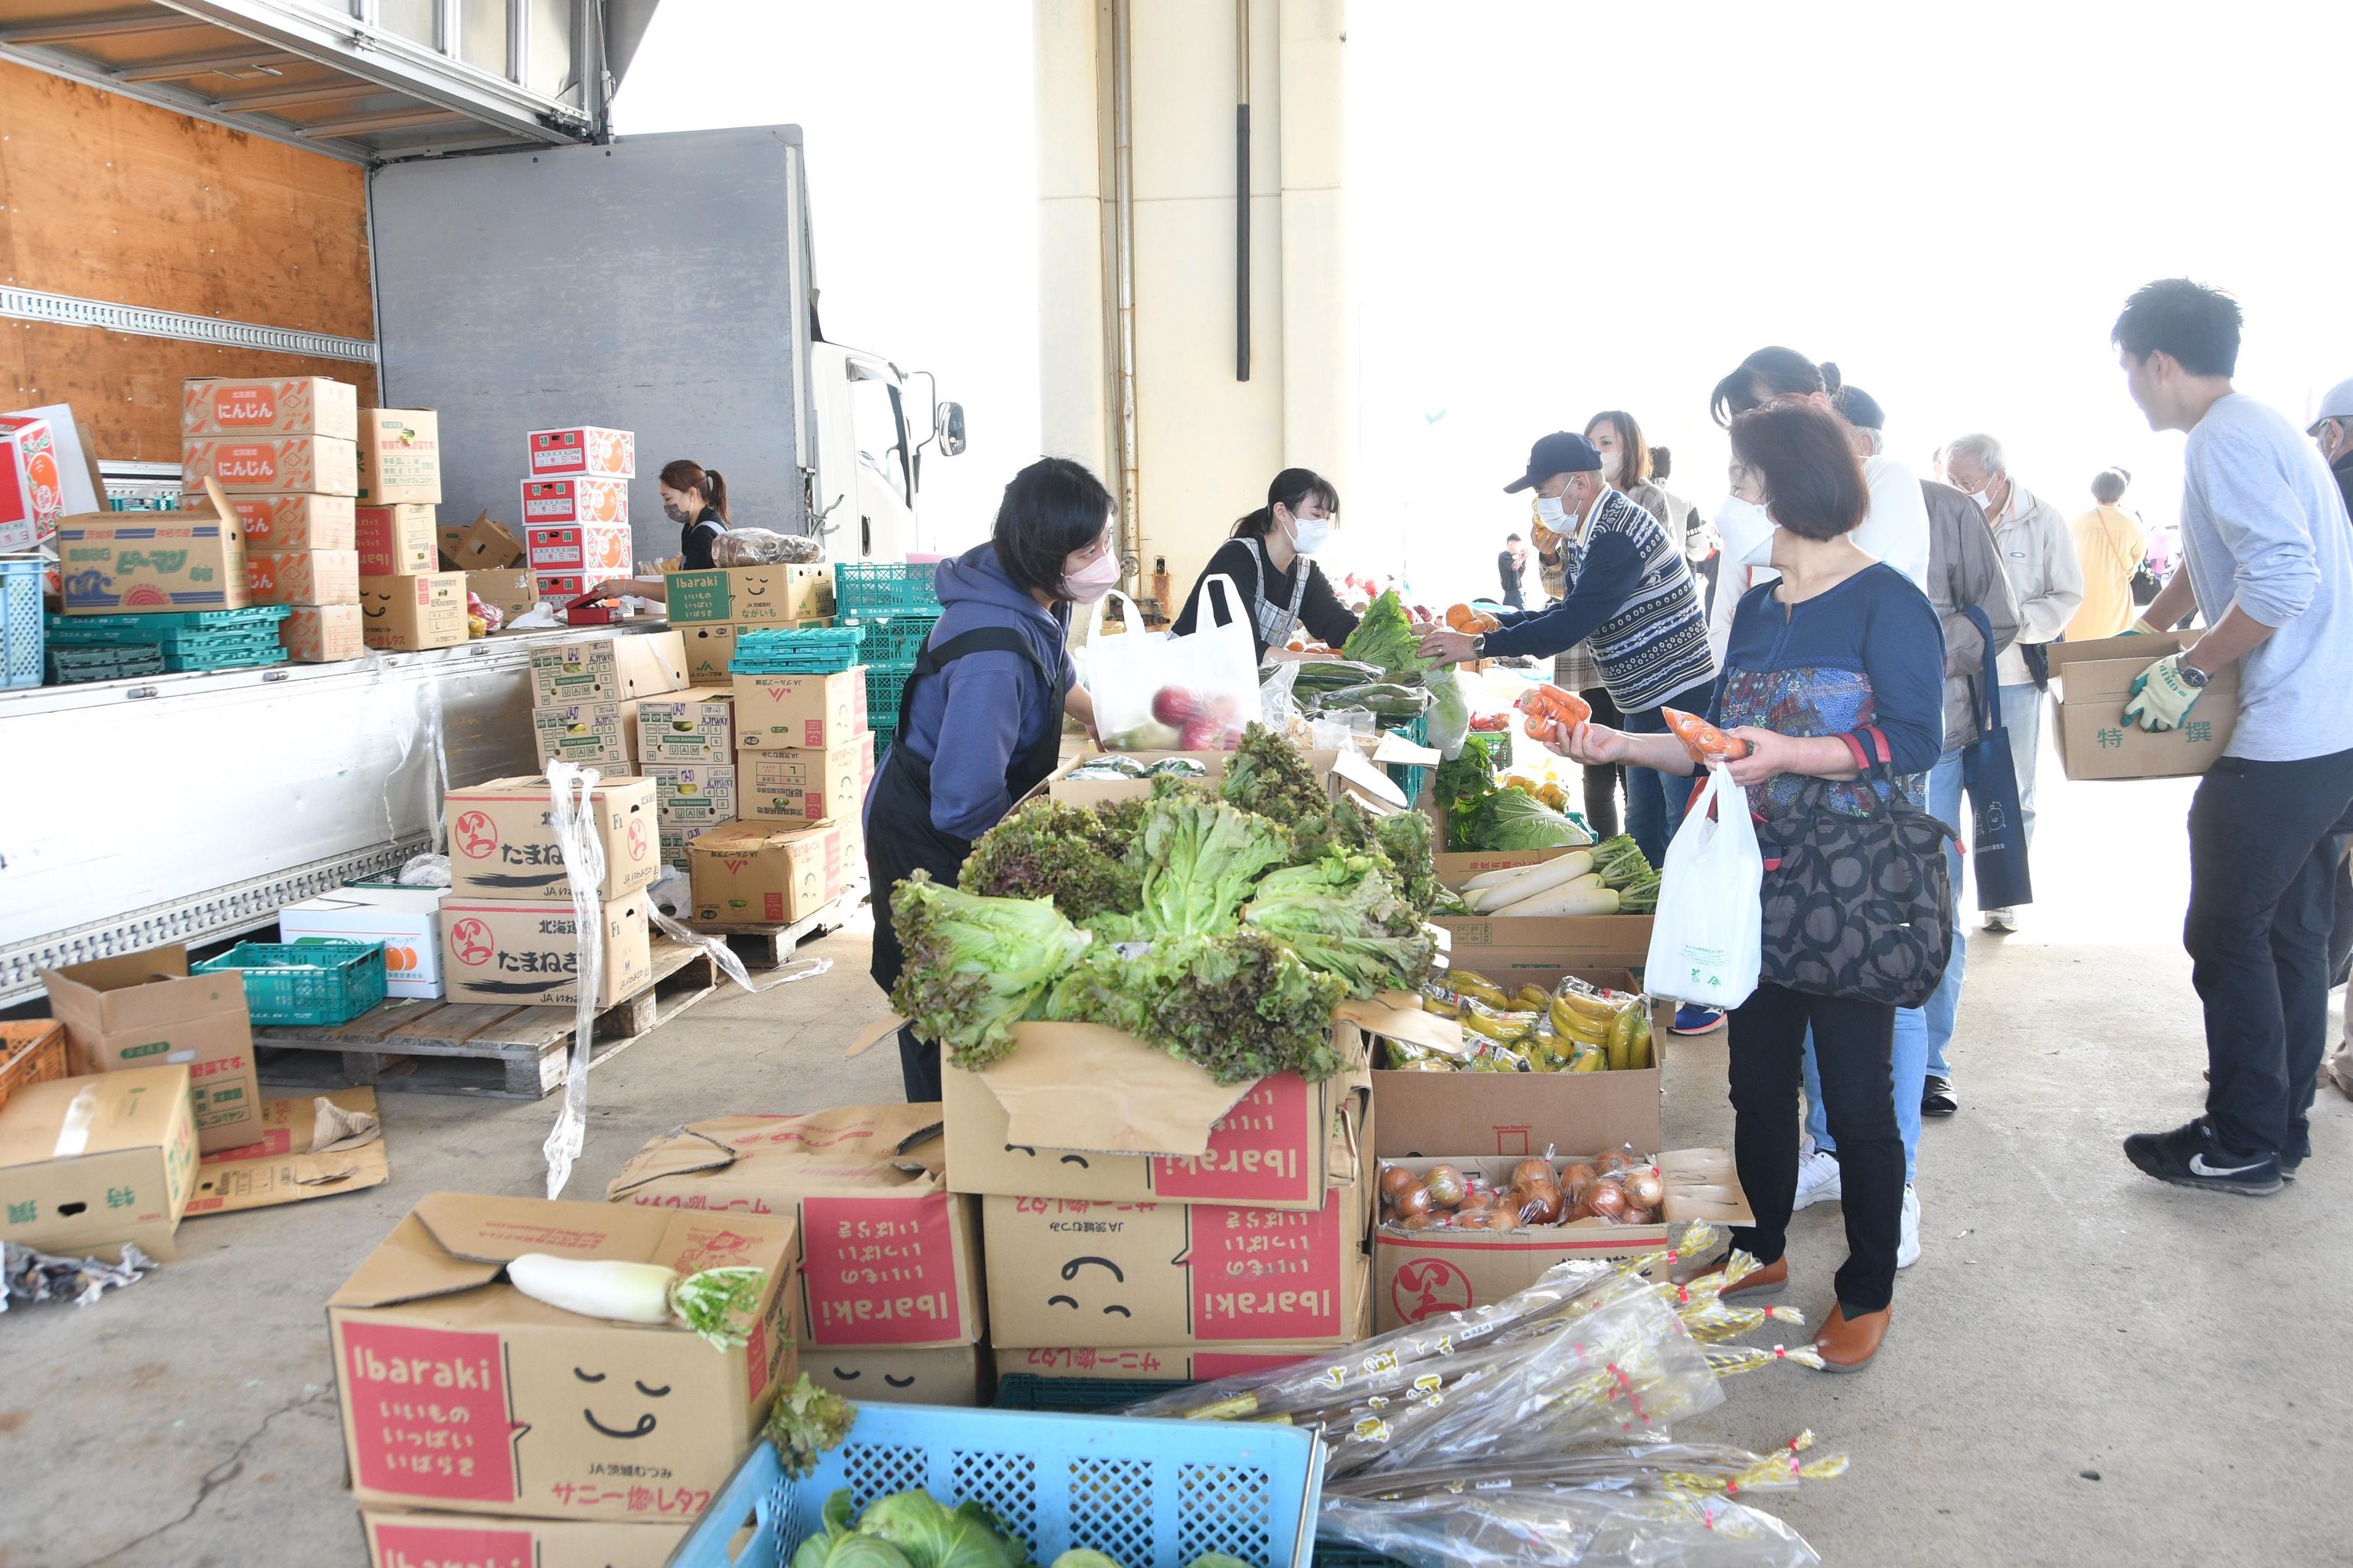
(1706, 937)
(1162, 693)
(1989, 777)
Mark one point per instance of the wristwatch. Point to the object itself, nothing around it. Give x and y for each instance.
(2191, 676)
(1479, 647)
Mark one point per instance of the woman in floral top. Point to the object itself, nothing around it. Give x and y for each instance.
(1839, 645)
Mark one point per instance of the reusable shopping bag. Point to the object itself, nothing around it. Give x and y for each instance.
(1989, 777)
(1155, 691)
(1705, 942)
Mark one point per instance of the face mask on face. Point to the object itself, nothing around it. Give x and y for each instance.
(1747, 531)
(1984, 498)
(675, 512)
(1611, 463)
(1309, 534)
(1551, 513)
(1093, 581)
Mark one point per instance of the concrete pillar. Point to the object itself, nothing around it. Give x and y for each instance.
(1074, 343)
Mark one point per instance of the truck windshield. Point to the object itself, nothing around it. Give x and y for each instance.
(881, 435)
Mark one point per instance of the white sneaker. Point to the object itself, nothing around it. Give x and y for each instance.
(1907, 1242)
(2001, 920)
(1817, 1179)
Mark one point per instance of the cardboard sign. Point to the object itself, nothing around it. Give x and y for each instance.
(1418, 1274)
(304, 577)
(454, 1541)
(608, 668)
(602, 733)
(293, 520)
(526, 952)
(693, 795)
(458, 1392)
(503, 839)
(484, 544)
(576, 503)
(144, 1009)
(1581, 942)
(799, 712)
(507, 590)
(284, 405)
(322, 465)
(808, 786)
(951, 1375)
(2092, 682)
(598, 552)
(396, 541)
(749, 873)
(889, 1257)
(421, 611)
(399, 455)
(763, 596)
(89, 1163)
(1154, 1274)
(582, 450)
(407, 921)
(32, 487)
(113, 562)
(323, 634)
(301, 1153)
(693, 726)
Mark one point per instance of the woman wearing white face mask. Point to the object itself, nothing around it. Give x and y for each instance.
(980, 717)
(1270, 559)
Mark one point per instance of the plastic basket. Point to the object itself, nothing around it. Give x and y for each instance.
(164, 624)
(896, 639)
(32, 1050)
(20, 622)
(306, 981)
(880, 587)
(1141, 1492)
(1413, 777)
(885, 684)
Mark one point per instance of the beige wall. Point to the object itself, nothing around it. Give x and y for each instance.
(1205, 443)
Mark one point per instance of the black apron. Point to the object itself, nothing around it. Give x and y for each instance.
(901, 840)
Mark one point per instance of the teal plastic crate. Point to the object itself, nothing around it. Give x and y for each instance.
(305, 981)
(884, 587)
(20, 622)
(236, 658)
(896, 639)
(784, 650)
(73, 666)
(1413, 777)
(885, 684)
(1141, 1492)
(165, 623)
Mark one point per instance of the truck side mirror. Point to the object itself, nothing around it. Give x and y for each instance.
(949, 426)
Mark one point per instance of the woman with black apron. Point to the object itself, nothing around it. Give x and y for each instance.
(695, 497)
(1268, 558)
(980, 719)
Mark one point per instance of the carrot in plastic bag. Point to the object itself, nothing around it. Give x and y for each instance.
(1704, 740)
(1549, 705)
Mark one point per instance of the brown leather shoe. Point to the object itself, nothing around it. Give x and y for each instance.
(1765, 1281)
(1847, 1344)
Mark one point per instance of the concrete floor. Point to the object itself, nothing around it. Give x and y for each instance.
(2086, 1368)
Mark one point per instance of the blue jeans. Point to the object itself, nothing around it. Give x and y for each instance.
(1655, 801)
(1910, 1060)
(1944, 1007)
(2022, 714)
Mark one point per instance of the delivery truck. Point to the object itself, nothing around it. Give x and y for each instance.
(426, 200)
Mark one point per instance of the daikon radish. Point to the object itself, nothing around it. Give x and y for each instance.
(1584, 896)
(624, 1292)
(1536, 878)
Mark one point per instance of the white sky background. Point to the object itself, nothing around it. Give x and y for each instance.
(1556, 208)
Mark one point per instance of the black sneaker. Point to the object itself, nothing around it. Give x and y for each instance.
(2290, 1164)
(2189, 1156)
(1936, 1097)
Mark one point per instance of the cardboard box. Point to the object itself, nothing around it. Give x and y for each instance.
(322, 465)
(691, 727)
(456, 1541)
(510, 591)
(1418, 1274)
(503, 839)
(709, 650)
(459, 1393)
(304, 577)
(1156, 1274)
(484, 544)
(888, 1256)
(404, 614)
(144, 1009)
(576, 503)
(407, 921)
(32, 487)
(1079, 1111)
(691, 796)
(608, 668)
(954, 1374)
(582, 450)
(89, 1163)
(563, 587)
(597, 552)
(525, 952)
(280, 405)
(2093, 680)
(323, 634)
(399, 455)
(113, 562)
(396, 541)
(761, 596)
(1152, 1363)
(808, 786)
(799, 712)
(290, 521)
(758, 873)
(299, 1154)
(1581, 943)
(601, 732)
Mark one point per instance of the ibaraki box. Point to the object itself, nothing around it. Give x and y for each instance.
(292, 519)
(399, 457)
(284, 405)
(396, 541)
(461, 1395)
(503, 839)
(551, 503)
(322, 465)
(459, 1540)
(304, 577)
(526, 952)
(589, 449)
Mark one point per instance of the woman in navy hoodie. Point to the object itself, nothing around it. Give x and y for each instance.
(980, 722)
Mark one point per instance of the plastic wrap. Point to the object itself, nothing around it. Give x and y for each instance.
(721, 953)
(571, 789)
(1660, 1466)
(1449, 716)
(1278, 705)
(764, 547)
(1560, 1528)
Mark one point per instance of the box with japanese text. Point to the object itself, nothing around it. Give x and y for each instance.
(561, 588)
(503, 839)
(322, 465)
(799, 712)
(690, 726)
(396, 541)
(323, 634)
(691, 797)
(582, 450)
(888, 1256)
(761, 873)
(112, 563)
(506, 589)
(484, 544)
(144, 1009)
(761, 596)
(952, 1375)
(709, 651)
(602, 733)
(32, 489)
(2092, 682)
(608, 668)
(456, 1541)
(460, 1393)
(304, 577)
(597, 551)
(576, 503)
(405, 613)
(526, 952)
(275, 406)
(808, 786)
(407, 921)
(399, 457)
(87, 1165)
(292, 520)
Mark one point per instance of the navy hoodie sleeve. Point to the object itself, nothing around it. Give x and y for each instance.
(985, 699)
(1903, 654)
(1612, 567)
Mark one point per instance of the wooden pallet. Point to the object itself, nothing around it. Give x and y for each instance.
(477, 1047)
(772, 946)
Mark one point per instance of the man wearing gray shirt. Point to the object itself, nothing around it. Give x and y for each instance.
(2267, 560)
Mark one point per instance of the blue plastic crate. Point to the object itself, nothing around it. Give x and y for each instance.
(895, 638)
(1413, 777)
(885, 588)
(1143, 1493)
(314, 982)
(20, 622)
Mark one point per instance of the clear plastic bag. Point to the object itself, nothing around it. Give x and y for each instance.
(1277, 705)
(1564, 1528)
(1156, 692)
(764, 547)
(1449, 716)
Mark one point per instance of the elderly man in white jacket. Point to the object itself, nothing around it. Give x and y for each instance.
(2046, 578)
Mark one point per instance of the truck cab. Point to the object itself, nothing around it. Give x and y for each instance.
(873, 427)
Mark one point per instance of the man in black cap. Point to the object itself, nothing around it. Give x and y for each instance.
(1630, 593)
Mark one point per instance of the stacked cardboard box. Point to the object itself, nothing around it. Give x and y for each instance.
(144, 1010)
(686, 744)
(576, 507)
(803, 751)
(407, 602)
(714, 608)
(287, 451)
(584, 696)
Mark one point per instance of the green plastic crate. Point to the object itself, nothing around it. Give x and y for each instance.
(895, 638)
(885, 684)
(171, 623)
(885, 588)
(238, 659)
(305, 981)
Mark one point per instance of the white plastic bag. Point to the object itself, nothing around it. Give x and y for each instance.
(1157, 692)
(1708, 938)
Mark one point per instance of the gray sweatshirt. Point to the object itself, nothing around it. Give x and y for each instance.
(1965, 569)
(2263, 526)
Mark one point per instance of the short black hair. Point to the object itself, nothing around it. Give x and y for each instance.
(2197, 325)
(1662, 463)
(1813, 481)
(1771, 371)
(2108, 486)
(1052, 508)
(1512, 539)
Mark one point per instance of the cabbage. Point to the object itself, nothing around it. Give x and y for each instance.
(1083, 1557)
(928, 1535)
(1512, 819)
